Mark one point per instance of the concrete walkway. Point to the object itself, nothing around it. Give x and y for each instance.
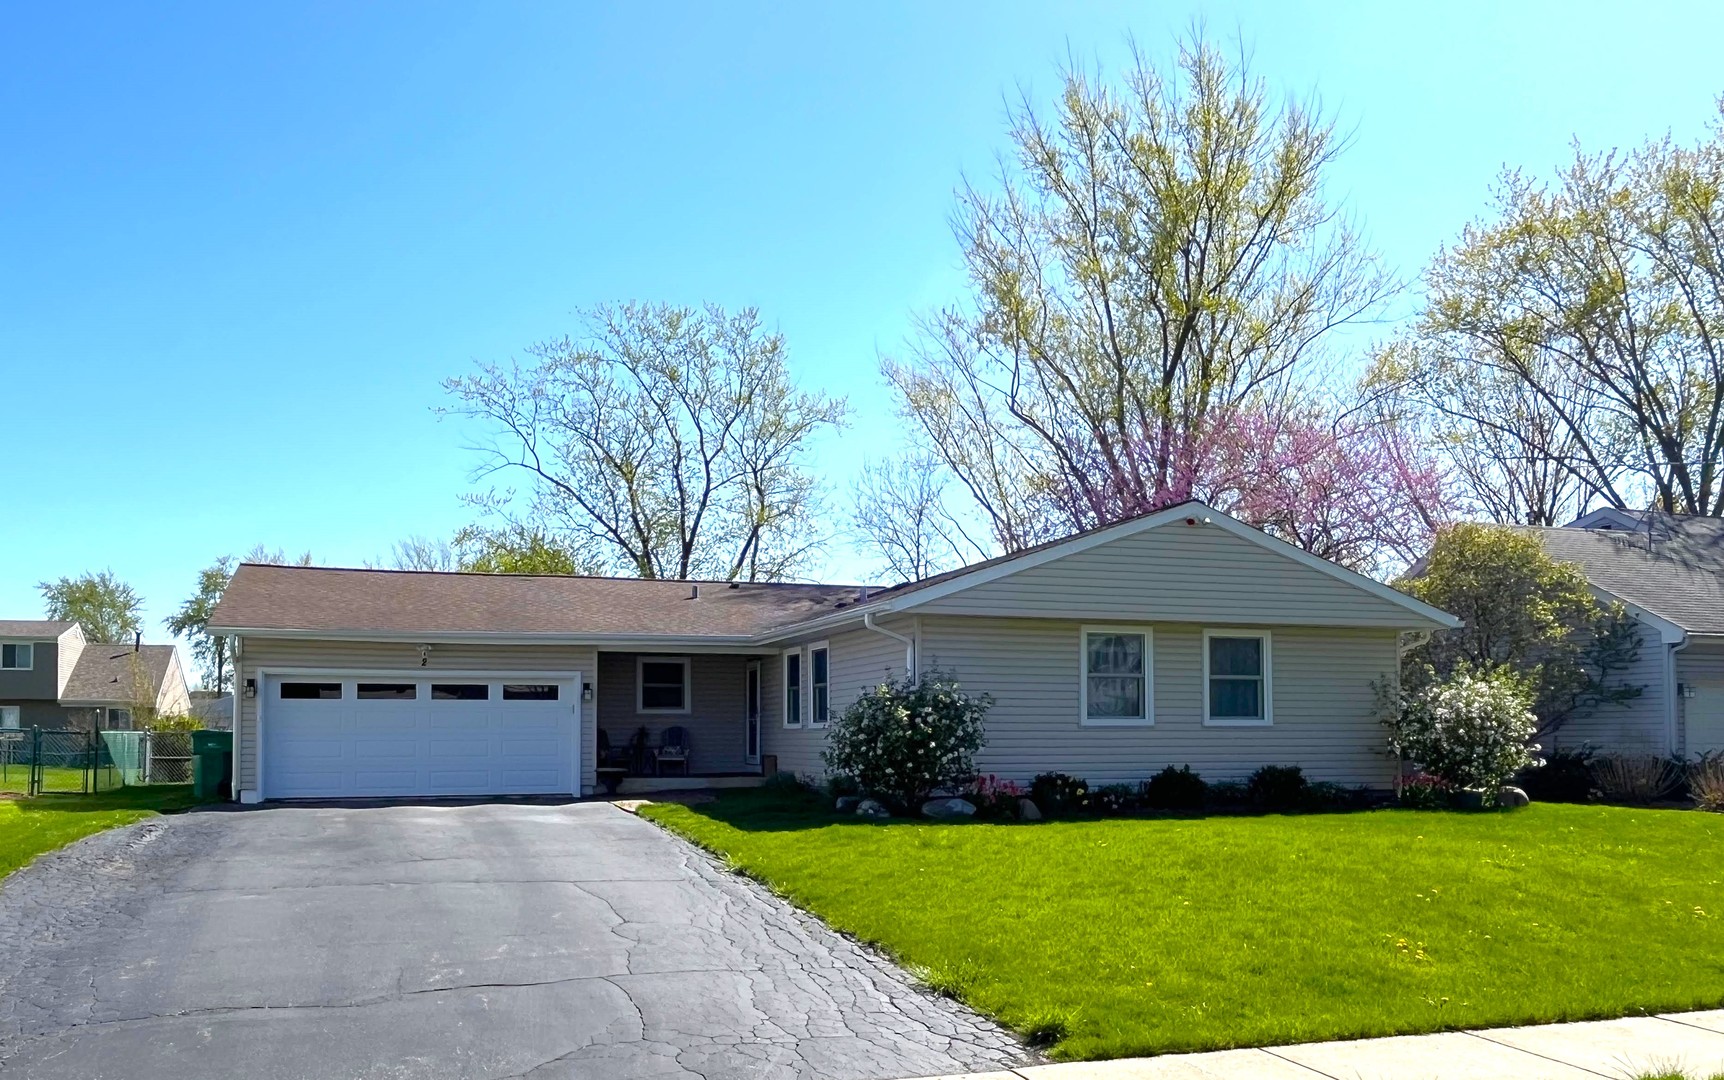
(1690, 1042)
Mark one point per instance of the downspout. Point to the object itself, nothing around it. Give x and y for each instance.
(1672, 691)
(234, 650)
(909, 643)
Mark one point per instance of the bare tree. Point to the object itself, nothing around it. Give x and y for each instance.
(1575, 341)
(419, 553)
(903, 521)
(1155, 253)
(671, 442)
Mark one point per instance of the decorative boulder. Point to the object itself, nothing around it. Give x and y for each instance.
(847, 804)
(872, 808)
(948, 809)
(1511, 797)
(1028, 810)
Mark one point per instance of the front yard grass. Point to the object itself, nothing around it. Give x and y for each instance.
(1127, 937)
(30, 827)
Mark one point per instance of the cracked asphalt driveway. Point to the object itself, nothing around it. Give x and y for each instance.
(476, 941)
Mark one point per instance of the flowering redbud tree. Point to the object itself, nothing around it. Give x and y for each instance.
(905, 739)
(1350, 487)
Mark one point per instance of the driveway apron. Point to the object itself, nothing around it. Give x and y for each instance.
(427, 941)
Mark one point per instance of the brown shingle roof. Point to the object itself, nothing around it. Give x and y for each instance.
(33, 628)
(421, 602)
(105, 672)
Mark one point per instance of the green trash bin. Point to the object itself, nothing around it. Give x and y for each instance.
(212, 762)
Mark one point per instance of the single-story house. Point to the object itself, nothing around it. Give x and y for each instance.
(1668, 572)
(1182, 636)
(50, 677)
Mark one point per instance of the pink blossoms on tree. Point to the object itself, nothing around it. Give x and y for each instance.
(1353, 489)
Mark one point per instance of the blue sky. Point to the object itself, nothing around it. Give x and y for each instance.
(241, 244)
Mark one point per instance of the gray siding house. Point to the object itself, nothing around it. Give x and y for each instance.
(1182, 636)
(1668, 571)
(50, 677)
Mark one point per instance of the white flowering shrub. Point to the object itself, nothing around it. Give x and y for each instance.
(1471, 729)
(905, 739)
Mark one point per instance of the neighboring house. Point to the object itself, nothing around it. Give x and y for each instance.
(50, 677)
(214, 708)
(1182, 636)
(1668, 570)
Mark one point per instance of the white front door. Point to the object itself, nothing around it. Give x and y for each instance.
(751, 710)
(338, 735)
(1705, 719)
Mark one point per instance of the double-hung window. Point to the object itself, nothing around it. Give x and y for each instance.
(17, 656)
(662, 684)
(1236, 678)
(1118, 688)
(793, 688)
(819, 684)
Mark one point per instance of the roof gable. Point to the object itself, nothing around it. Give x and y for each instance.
(1187, 563)
(109, 672)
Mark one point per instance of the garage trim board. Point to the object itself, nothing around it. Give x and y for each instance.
(507, 739)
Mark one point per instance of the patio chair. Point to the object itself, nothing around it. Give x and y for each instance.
(673, 750)
(611, 757)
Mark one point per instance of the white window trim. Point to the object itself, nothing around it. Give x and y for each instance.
(801, 687)
(1268, 717)
(815, 720)
(1148, 717)
(687, 685)
(31, 645)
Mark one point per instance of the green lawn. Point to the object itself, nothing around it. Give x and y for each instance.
(55, 778)
(29, 827)
(1129, 937)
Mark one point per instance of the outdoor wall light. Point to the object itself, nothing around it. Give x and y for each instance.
(251, 688)
(586, 691)
(1685, 690)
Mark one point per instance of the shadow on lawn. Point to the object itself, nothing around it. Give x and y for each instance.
(769, 810)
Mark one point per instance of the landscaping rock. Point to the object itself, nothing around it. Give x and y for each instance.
(1028, 810)
(873, 809)
(948, 809)
(847, 804)
(1511, 797)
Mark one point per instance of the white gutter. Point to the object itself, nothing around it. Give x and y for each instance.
(909, 643)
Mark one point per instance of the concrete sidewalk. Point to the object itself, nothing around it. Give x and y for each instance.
(1620, 1049)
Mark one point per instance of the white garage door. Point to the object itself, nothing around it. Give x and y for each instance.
(1704, 713)
(342, 736)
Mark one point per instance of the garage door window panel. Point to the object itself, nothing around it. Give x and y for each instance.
(529, 692)
(387, 692)
(460, 692)
(311, 691)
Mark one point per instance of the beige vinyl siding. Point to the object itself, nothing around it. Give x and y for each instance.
(1179, 573)
(714, 721)
(1701, 664)
(1638, 726)
(172, 698)
(1323, 703)
(71, 647)
(388, 656)
(860, 659)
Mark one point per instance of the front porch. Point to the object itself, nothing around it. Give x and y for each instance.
(677, 722)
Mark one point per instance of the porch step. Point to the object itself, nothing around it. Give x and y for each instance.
(643, 785)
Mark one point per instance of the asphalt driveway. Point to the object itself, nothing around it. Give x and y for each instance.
(482, 941)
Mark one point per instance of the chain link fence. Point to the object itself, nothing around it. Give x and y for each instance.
(37, 761)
